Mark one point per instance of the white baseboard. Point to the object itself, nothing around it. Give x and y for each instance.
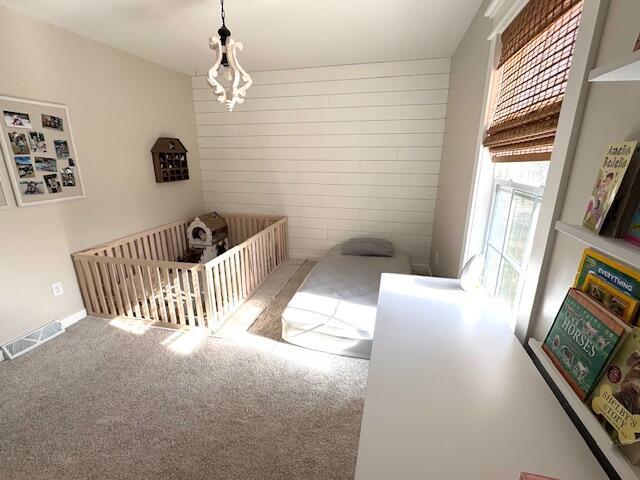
(71, 319)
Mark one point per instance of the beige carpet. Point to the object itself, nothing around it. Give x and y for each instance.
(100, 402)
(268, 324)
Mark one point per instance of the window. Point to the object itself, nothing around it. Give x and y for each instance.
(515, 203)
(529, 87)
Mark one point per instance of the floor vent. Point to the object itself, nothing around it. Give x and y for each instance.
(32, 340)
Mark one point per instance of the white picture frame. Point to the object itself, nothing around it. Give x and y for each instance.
(40, 151)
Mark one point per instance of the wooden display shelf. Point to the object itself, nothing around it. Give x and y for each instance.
(614, 247)
(601, 438)
(626, 69)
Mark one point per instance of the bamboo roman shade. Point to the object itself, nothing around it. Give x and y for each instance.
(533, 69)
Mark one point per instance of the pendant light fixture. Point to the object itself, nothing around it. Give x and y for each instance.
(228, 79)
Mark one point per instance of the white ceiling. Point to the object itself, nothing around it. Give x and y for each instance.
(276, 33)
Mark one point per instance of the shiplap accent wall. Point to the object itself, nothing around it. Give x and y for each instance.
(343, 151)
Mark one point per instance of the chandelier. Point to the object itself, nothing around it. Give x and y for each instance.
(228, 79)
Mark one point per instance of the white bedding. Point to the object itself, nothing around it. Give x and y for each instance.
(334, 310)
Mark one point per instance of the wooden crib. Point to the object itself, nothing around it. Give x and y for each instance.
(139, 277)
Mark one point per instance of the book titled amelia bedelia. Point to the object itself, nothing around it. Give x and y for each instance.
(613, 194)
(583, 337)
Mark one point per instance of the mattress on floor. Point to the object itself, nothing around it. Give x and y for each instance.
(334, 310)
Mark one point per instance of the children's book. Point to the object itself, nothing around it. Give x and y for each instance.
(614, 300)
(620, 276)
(613, 188)
(616, 398)
(583, 337)
(633, 229)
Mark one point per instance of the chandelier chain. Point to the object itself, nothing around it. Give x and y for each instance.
(222, 12)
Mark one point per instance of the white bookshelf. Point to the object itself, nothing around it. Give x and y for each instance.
(626, 69)
(614, 455)
(614, 247)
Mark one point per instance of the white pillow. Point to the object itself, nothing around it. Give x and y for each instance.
(368, 247)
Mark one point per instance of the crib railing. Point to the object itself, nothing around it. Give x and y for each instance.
(138, 276)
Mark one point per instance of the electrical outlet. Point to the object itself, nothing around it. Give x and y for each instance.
(57, 289)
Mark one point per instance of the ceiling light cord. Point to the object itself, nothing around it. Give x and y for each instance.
(222, 12)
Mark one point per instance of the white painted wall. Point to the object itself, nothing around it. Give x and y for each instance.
(343, 151)
(611, 115)
(118, 105)
(461, 145)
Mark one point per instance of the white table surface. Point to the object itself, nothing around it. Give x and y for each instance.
(453, 395)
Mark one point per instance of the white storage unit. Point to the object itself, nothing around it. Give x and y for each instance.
(453, 394)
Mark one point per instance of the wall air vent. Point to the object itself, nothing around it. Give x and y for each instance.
(31, 340)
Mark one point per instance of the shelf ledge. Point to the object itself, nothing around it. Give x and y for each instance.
(614, 247)
(623, 70)
(614, 455)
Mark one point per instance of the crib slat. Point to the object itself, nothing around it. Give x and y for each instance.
(230, 290)
(115, 289)
(146, 247)
(261, 257)
(152, 247)
(152, 293)
(105, 279)
(135, 297)
(223, 283)
(170, 295)
(243, 271)
(85, 280)
(217, 290)
(162, 295)
(254, 263)
(166, 236)
(143, 297)
(179, 296)
(99, 287)
(122, 287)
(186, 289)
(165, 250)
(83, 284)
(226, 294)
(209, 301)
(234, 280)
(175, 248)
(182, 235)
(195, 282)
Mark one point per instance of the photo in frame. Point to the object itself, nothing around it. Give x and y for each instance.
(39, 151)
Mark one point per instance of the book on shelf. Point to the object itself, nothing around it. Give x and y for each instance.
(611, 298)
(581, 340)
(632, 233)
(613, 190)
(616, 397)
(622, 277)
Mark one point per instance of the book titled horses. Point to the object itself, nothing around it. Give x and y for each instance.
(583, 337)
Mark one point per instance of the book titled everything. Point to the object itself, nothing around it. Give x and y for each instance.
(583, 337)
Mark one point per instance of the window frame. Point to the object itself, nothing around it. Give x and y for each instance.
(568, 130)
(535, 193)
